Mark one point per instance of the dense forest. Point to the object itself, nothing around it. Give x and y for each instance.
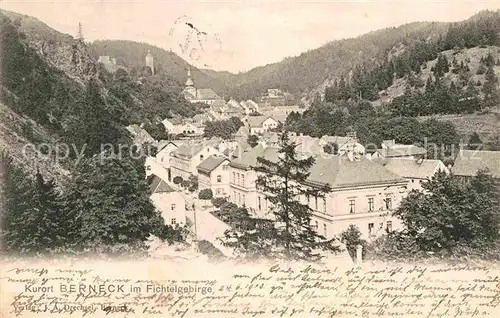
(450, 88)
(80, 105)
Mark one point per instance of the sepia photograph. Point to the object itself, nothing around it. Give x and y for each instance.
(179, 158)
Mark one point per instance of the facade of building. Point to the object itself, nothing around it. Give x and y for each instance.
(163, 154)
(184, 127)
(200, 95)
(169, 202)
(184, 161)
(362, 193)
(260, 124)
(213, 173)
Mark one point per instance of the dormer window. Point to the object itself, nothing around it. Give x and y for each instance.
(201, 157)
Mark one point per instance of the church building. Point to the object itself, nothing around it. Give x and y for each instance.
(200, 95)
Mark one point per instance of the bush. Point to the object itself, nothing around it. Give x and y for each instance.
(218, 202)
(351, 238)
(178, 180)
(205, 194)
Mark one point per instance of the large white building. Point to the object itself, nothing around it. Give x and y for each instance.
(362, 193)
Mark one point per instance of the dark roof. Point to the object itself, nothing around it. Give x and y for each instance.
(469, 162)
(157, 185)
(212, 162)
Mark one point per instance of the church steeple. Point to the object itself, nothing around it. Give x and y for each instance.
(189, 81)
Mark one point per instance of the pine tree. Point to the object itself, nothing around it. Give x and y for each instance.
(57, 227)
(490, 89)
(283, 183)
(18, 220)
(110, 196)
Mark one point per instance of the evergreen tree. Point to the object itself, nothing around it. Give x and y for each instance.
(110, 196)
(282, 182)
(96, 123)
(490, 89)
(57, 227)
(18, 219)
(475, 142)
(34, 220)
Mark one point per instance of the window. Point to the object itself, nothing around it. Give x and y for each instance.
(225, 167)
(381, 225)
(307, 198)
(371, 204)
(172, 206)
(173, 221)
(219, 178)
(258, 203)
(242, 179)
(388, 203)
(316, 225)
(218, 191)
(389, 226)
(234, 177)
(201, 157)
(324, 205)
(316, 203)
(148, 168)
(352, 206)
(243, 200)
(370, 228)
(238, 179)
(324, 230)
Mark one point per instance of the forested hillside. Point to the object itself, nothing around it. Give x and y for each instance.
(62, 120)
(168, 64)
(456, 73)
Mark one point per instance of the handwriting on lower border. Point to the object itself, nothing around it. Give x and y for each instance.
(306, 290)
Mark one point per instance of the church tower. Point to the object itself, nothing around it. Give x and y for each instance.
(190, 85)
(150, 62)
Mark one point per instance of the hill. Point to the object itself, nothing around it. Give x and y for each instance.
(57, 92)
(168, 64)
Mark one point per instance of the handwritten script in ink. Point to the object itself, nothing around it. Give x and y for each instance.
(252, 291)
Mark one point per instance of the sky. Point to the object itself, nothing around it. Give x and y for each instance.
(238, 35)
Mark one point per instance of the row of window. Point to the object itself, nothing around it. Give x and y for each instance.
(238, 198)
(371, 204)
(316, 204)
(325, 228)
(371, 227)
(239, 178)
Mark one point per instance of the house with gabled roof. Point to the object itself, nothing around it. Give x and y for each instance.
(213, 173)
(260, 124)
(140, 135)
(469, 162)
(362, 193)
(415, 171)
(186, 158)
(168, 201)
(391, 149)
